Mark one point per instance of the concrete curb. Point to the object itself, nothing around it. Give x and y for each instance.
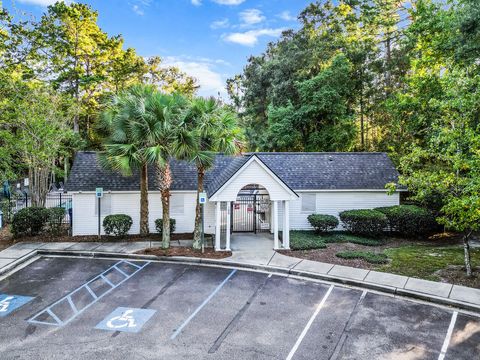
(274, 269)
(9, 267)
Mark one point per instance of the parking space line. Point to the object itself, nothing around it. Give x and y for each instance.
(197, 310)
(309, 324)
(448, 336)
(68, 297)
(237, 317)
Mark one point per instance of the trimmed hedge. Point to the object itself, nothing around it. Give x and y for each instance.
(118, 224)
(409, 220)
(364, 222)
(29, 221)
(159, 225)
(55, 219)
(323, 223)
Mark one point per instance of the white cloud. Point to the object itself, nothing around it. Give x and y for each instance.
(251, 16)
(205, 70)
(287, 16)
(228, 2)
(220, 24)
(137, 10)
(196, 2)
(250, 38)
(39, 2)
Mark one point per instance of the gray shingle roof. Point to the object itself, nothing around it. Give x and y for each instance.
(300, 171)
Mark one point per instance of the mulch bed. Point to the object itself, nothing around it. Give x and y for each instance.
(456, 275)
(186, 251)
(6, 238)
(328, 254)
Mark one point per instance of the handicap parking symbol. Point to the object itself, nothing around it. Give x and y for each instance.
(9, 303)
(126, 319)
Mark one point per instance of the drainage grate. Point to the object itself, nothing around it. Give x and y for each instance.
(64, 310)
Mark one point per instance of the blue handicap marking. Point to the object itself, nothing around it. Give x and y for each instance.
(9, 303)
(126, 319)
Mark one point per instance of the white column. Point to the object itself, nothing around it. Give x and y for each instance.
(217, 226)
(275, 225)
(286, 224)
(229, 204)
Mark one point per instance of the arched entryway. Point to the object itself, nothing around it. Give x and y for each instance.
(252, 201)
(251, 211)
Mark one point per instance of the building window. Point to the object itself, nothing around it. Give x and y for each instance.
(309, 203)
(177, 204)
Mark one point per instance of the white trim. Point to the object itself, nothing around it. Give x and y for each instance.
(260, 162)
(194, 191)
(217, 225)
(276, 244)
(349, 190)
(134, 192)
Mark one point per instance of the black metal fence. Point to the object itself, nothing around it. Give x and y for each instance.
(251, 213)
(17, 201)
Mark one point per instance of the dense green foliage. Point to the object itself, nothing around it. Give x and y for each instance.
(54, 220)
(370, 257)
(409, 220)
(117, 225)
(305, 240)
(159, 226)
(364, 222)
(323, 223)
(29, 221)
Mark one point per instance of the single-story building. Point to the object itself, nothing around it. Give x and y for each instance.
(253, 192)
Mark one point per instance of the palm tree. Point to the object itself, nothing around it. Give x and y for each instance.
(208, 128)
(158, 130)
(124, 152)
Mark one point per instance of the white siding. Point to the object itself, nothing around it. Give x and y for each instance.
(331, 202)
(334, 202)
(85, 221)
(253, 173)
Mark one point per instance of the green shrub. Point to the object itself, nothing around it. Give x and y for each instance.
(118, 224)
(305, 240)
(55, 219)
(322, 223)
(409, 220)
(159, 226)
(368, 256)
(364, 222)
(29, 221)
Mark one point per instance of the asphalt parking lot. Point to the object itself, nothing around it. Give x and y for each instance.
(78, 308)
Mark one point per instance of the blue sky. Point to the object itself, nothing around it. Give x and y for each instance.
(209, 39)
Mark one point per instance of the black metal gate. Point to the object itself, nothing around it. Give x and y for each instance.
(251, 213)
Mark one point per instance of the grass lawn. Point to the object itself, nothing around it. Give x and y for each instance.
(423, 260)
(439, 258)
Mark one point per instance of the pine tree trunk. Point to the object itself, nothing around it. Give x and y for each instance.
(197, 232)
(144, 200)
(165, 181)
(466, 251)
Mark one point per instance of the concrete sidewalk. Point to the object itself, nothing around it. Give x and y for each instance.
(270, 260)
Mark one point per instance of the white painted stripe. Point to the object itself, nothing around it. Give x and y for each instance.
(217, 289)
(309, 324)
(448, 337)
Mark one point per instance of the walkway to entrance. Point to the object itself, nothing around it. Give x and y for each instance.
(252, 248)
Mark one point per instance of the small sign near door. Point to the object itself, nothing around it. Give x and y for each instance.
(264, 226)
(202, 198)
